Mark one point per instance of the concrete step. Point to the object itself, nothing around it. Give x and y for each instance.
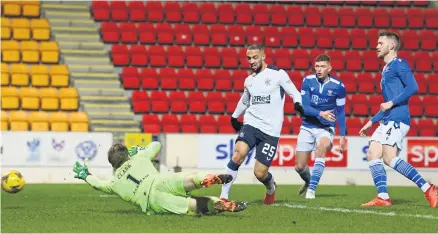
(114, 122)
(94, 76)
(96, 83)
(107, 107)
(65, 14)
(77, 37)
(67, 2)
(109, 115)
(91, 68)
(59, 22)
(74, 29)
(104, 99)
(65, 7)
(81, 45)
(69, 59)
(88, 53)
(101, 92)
(114, 129)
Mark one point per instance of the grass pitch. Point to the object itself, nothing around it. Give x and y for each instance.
(79, 208)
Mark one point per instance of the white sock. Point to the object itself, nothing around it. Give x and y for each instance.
(384, 196)
(226, 187)
(270, 189)
(425, 187)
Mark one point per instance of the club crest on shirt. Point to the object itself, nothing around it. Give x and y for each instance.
(330, 92)
(267, 82)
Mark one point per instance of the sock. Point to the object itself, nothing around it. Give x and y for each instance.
(317, 170)
(232, 169)
(406, 169)
(269, 184)
(211, 203)
(379, 177)
(199, 177)
(305, 174)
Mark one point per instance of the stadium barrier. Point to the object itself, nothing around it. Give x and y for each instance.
(204, 152)
(48, 157)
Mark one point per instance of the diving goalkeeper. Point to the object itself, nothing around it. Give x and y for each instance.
(137, 181)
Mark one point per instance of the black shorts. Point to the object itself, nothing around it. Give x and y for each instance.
(266, 145)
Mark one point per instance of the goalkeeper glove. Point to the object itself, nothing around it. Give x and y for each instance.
(134, 150)
(81, 172)
(299, 108)
(237, 125)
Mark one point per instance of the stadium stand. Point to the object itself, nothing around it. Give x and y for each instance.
(184, 59)
(36, 94)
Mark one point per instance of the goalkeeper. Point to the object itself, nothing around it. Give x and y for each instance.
(137, 181)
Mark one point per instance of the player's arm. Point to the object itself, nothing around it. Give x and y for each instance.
(340, 109)
(305, 94)
(149, 152)
(243, 104)
(376, 118)
(408, 79)
(81, 172)
(101, 185)
(291, 90)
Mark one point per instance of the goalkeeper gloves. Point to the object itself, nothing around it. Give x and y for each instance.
(237, 125)
(299, 108)
(81, 172)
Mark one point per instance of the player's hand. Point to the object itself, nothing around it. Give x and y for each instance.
(364, 130)
(237, 125)
(299, 108)
(81, 172)
(133, 151)
(386, 106)
(342, 144)
(328, 115)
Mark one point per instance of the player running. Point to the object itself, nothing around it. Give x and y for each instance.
(323, 100)
(398, 85)
(137, 181)
(263, 103)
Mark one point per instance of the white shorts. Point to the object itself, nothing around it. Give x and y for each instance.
(309, 137)
(391, 134)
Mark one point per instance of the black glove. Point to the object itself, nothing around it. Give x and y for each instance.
(237, 125)
(299, 108)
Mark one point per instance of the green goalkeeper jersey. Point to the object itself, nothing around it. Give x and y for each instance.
(133, 180)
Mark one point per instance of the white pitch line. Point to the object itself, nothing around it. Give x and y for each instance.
(345, 210)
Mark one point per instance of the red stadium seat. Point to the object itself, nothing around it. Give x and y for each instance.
(152, 128)
(208, 13)
(188, 119)
(208, 129)
(189, 129)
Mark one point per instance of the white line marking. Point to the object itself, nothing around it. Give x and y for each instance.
(345, 210)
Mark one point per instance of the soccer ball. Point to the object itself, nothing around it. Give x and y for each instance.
(13, 182)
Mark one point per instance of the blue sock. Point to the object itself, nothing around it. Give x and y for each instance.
(267, 180)
(409, 172)
(379, 177)
(233, 166)
(317, 170)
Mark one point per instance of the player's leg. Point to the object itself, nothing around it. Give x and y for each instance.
(244, 143)
(302, 168)
(305, 146)
(391, 148)
(377, 169)
(265, 153)
(322, 147)
(198, 180)
(213, 205)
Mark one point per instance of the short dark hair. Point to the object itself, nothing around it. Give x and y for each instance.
(323, 57)
(117, 155)
(256, 47)
(391, 35)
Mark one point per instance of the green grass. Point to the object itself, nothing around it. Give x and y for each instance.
(79, 208)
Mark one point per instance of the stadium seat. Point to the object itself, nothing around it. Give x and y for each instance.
(18, 121)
